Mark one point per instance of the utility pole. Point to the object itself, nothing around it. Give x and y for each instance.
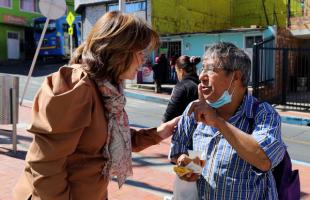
(289, 13)
(121, 5)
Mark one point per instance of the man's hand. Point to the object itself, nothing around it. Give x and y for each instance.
(202, 111)
(184, 160)
(167, 129)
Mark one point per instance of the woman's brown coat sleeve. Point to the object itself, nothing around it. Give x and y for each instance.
(143, 138)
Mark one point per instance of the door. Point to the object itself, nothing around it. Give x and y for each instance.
(248, 48)
(30, 46)
(13, 45)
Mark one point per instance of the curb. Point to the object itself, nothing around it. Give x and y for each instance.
(295, 120)
(136, 95)
(146, 97)
(285, 119)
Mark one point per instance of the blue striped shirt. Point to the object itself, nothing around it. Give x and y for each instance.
(226, 175)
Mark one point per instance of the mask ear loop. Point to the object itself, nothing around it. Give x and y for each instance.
(233, 91)
(231, 83)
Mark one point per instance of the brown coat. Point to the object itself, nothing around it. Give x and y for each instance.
(64, 160)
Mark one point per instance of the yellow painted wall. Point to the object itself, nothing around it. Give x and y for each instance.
(190, 16)
(251, 12)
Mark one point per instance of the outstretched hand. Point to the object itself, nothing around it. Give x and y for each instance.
(167, 129)
(202, 111)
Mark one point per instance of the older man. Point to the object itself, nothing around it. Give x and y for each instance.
(240, 137)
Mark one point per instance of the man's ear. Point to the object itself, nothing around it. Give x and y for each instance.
(238, 76)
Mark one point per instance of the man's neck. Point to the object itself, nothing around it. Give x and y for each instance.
(227, 111)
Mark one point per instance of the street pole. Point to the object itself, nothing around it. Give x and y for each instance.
(34, 59)
(121, 5)
(71, 46)
(289, 13)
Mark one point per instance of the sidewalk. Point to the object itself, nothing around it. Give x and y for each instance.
(153, 176)
(146, 184)
(146, 92)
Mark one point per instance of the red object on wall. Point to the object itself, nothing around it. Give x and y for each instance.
(11, 19)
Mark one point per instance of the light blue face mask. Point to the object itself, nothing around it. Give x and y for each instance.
(224, 99)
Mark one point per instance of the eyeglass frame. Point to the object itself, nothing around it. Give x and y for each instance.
(211, 68)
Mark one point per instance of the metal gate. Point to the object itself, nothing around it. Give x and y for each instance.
(9, 103)
(281, 75)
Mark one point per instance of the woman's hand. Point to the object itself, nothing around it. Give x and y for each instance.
(167, 129)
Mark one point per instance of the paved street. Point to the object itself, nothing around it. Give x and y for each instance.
(153, 176)
(148, 113)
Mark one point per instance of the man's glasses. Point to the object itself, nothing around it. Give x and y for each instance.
(210, 69)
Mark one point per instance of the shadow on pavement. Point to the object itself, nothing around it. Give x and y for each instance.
(140, 162)
(145, 186)
(156, 156)
(6, 137)
(8, 152)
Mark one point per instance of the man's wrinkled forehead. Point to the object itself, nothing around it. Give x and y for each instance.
(208, 60)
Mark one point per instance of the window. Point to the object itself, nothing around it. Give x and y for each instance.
(29, 5)
(171, 48)
(13, 35)
(39, 25)
(6, 3)
(135, 6)
(130, 6)
(250, 40)
(112, 7)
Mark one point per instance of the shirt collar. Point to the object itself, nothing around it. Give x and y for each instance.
(246, 108)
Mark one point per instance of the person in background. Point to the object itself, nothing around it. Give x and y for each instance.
(163, 62)
(145, 72)
(185, 91)
(157, 74)
(240, 144)
(172, 61)
(81, 133)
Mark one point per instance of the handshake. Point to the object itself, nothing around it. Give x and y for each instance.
(189, 167)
